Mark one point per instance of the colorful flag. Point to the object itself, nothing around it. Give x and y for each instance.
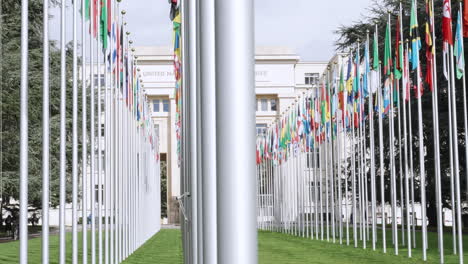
(465, 18)
(398, 49)
(365, 78)
(458, 48)
(387, 52)
(430, 48)
(103, 24)
(447, 38)
(415, 39)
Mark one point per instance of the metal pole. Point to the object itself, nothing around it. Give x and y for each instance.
(455, 149)
(236, 119)
(75, 138)
(192, 119)
(381, 157)
(63, 168)
(23, 232)
(45, 136)
(84, 143)
(99, 130)
(435, 111)
(92, 124)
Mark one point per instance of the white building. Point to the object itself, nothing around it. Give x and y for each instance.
(280, 78)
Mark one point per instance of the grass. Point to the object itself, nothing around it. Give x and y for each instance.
(165, 247)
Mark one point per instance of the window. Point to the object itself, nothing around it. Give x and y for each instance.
(273, 104)
(101, 79)
(267, 104)
(261, 129)
(311, 78)
(161, 105)
(156, 103)
(264, 104)
(165, 106)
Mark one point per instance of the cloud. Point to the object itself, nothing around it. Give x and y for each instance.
(305, 25)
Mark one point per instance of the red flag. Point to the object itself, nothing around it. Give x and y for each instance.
(447, 23)
(109, 17)
(465, 18)
(95, 18)
(430, 51)
(397, 45)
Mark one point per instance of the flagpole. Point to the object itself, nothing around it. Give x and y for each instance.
(75, 139)
(455, 141)
(465, 110)
(372, 160)
(402, 197)
(405, 87)
(62, 176)
(353, 160)
(392, 153)
(381, 156)
(435, 112)
(46, 133)
(99, 129)
(421, 160)
(412, 170)
(24, 174)
(345, 109)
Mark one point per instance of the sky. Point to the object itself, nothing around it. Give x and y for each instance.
(306, 26)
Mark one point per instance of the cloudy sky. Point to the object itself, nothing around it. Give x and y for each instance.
(305, 25)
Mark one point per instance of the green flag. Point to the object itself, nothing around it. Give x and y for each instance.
(87, 14)
(104, 24)
(375, 64)
(387, 52)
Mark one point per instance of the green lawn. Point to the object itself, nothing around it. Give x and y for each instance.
(165, 247)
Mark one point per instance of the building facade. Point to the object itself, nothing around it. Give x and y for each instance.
(280, 78)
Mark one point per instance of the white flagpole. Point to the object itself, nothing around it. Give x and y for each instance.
(392, 160)
(410, 129)
(435, 113)
(75, 138)
(353, 161)
(372, 159)
(404, 87)
(63, 87)
(99, 145)
(402, 197)
(23, 214)
(346, 154)
(421, 164)
(46, 133)
(236, 159)
(455, 149)
(381, 157)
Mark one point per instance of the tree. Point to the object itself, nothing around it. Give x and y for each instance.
(10, 83)
(349, 35)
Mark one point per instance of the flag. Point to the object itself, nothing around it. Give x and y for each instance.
(375, 64)
(349, 76)
(447, 38)
(103, 24)
(365, 82)
(387, 52)
(465, 18)
(398, 49)
(430, 48)
(406, 84)
(415, 39)
(458, 49)
(87, 10)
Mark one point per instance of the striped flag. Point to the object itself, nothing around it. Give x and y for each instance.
(458, 49)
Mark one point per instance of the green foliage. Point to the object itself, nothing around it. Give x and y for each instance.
(348, 37)
(163, 189)
(10, 83)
